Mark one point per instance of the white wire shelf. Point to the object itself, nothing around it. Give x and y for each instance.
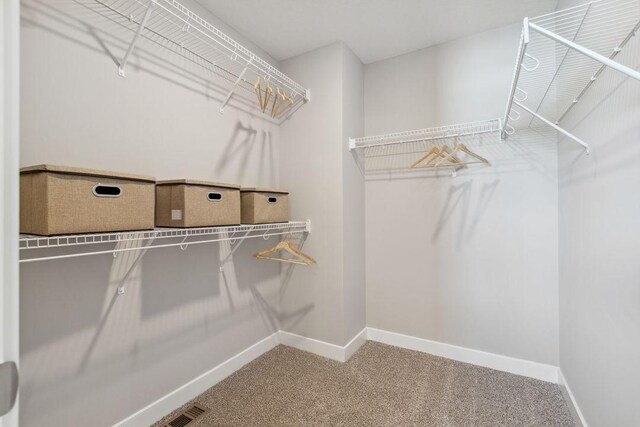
(31, 247)
(170, 24)
(395, 152)
(561, 56)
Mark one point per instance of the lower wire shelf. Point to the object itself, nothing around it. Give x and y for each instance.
(31, 247)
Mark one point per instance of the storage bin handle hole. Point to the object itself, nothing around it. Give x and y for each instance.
(103, 190)
(214, 197)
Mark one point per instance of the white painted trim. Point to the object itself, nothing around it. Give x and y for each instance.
(523, 367)
(569, 397)
(158, 409)
(355, 343)
(9, 190)
(161, 407)
(322, 348)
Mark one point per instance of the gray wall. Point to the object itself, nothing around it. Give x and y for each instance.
(599, 247)
(326, 302)
(311, 298)
(472, 260)
(353, 198)
(87, 354)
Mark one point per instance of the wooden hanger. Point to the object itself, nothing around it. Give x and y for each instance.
(431, 155)
(280, 98)
(259, 93)
(461, 147)
(289, 103)
(299, 257)
(268, 93)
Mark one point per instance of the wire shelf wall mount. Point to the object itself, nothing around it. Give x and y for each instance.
(176, 27)
(560, 57)
(397, 152)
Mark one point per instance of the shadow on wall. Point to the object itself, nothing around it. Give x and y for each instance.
(240, 145)
(458, 200)
(95, 27)
(458, 205)
(77, 330)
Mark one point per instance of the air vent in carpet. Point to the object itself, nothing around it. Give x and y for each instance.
(188, 416)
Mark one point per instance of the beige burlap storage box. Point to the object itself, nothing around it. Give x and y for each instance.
(189, 203)
(65, 200)
(263, 206)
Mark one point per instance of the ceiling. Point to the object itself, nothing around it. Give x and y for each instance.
(374, 29)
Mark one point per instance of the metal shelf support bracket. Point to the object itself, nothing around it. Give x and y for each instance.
(141, 255)
(235, 85)
(235, 248)
(555, 126)
(134, 41)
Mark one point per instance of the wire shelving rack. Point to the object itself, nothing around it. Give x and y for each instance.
(35, 248)
(170, 24)
(396, 152)
(560, 57)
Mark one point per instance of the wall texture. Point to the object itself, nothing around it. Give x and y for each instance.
(326, 302)
(88, 354)
(599, 247)
(472, 260)
(353, 198)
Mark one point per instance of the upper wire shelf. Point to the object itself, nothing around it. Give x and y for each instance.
(157, 238)
(398, 151)
(560, 57)
(175, 27)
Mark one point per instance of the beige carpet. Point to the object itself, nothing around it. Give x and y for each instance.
(379, 386)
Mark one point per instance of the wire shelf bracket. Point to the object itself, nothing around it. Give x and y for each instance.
(235, 248)
(136, 37)
(584, 32)
(141, 255)
(235, 85)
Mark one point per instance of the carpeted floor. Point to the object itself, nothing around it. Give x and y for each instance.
(380, 385)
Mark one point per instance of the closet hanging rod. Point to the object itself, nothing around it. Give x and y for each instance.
(27, 243)
(428, 134)
(433, 138)
(167, 245)
(175, 23)
(398, 151)
(235, 49)
(230, 75)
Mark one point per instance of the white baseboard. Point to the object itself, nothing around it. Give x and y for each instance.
(355, 343)
(568, 396)
(523, 367)
(161, 407)
(322, 348)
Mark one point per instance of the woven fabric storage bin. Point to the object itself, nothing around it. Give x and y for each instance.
(264, 206)
(66, 200)
(189, 203)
